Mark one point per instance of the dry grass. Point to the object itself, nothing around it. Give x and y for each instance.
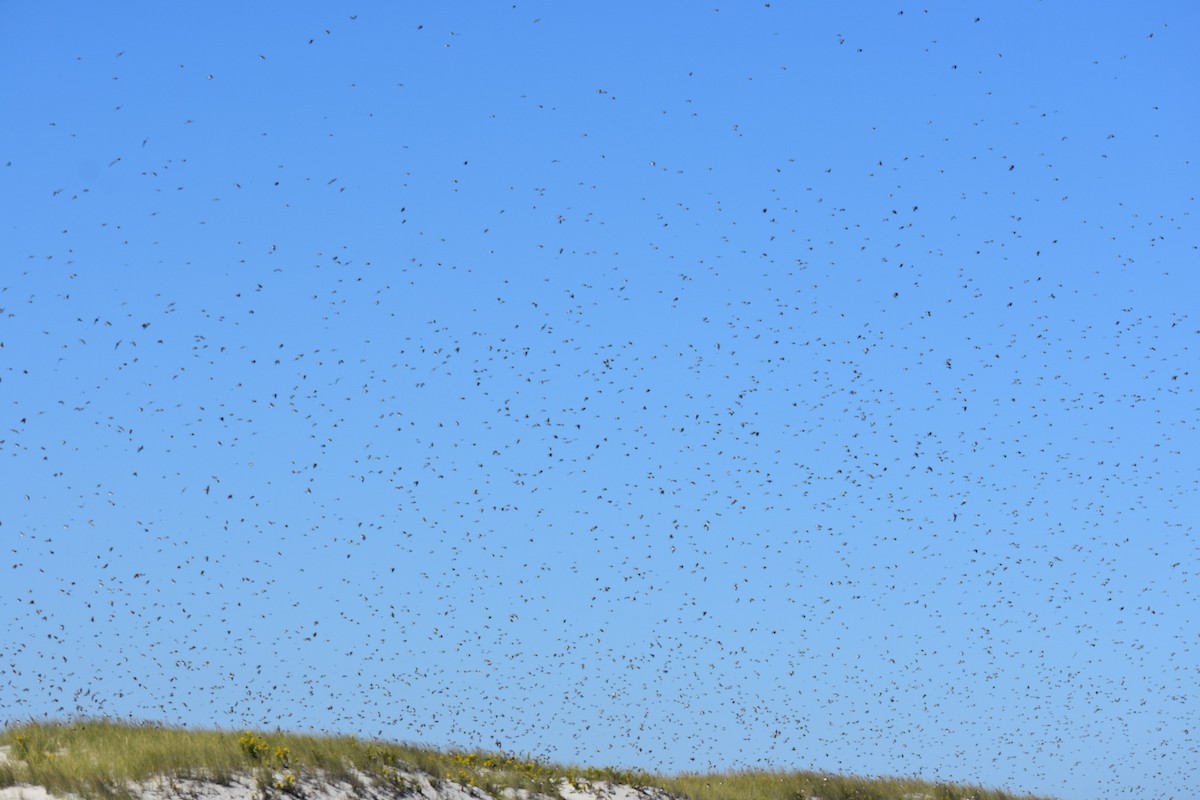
(102, 759)
(764, 785)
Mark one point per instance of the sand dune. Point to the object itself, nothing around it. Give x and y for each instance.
(412, 784)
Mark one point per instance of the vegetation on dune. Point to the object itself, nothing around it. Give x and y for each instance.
(104, 760)
(772, 785)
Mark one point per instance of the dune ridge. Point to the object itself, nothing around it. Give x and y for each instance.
(107, 760)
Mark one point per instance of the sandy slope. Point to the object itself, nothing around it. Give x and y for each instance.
(417, 785)
(420, 787)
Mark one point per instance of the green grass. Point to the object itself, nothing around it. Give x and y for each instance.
(102, 759)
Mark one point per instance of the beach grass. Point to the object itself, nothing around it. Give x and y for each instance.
(100, 759)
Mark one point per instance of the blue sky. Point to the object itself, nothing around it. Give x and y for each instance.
(772, 385)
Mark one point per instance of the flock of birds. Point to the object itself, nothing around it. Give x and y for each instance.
(641, 423)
